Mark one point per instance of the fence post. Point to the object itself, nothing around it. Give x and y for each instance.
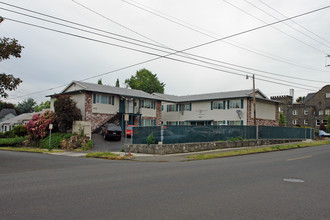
(257, 132)
(162, 133)
(305, 134)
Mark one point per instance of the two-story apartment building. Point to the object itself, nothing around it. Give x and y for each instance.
(101, 103)
(223, 108)
(313, 111)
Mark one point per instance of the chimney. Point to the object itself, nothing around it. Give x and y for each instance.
(292, 94)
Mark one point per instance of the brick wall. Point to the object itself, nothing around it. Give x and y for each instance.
(159, 113)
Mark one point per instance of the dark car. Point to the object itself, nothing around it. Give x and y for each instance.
(112, 131)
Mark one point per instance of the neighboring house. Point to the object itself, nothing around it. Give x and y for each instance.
(223, 108)
(313, 111)
(22, 119)
(100, 104)
(6, 114)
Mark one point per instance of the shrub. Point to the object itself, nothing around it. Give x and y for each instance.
(55, 141)
(37, 128)
(16, 142)
(19, 131)
(150, 139)
(77, 142)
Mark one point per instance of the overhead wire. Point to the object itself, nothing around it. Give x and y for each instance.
(293, 21)
(255, 17)
(247, 31)
(235, 44)
(252, 69)
(260, 9)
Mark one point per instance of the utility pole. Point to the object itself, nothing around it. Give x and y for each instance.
(254, 101)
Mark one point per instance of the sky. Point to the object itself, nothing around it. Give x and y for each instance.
(283, 56)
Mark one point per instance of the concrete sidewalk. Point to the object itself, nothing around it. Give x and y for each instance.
(169, 157)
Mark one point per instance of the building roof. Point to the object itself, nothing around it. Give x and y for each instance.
(214, 96)
(125, 92)
(309, 96)
(7, 111)
(18, 119)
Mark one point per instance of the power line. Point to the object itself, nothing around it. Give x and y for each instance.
(255, 17)
(194, 28)
(153, 45)
(322, 38)
(247, 31)
(286, 24)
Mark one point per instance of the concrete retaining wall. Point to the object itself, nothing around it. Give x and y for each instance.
(195, 147)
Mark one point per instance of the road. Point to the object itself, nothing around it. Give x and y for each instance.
(36, 186)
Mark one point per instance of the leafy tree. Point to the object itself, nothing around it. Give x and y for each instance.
(6, 105)
(42, 106)
(117, 83)
(66, 111)
(282, 119)
(27, 106)
(300, 99)
(146, 81)
(99, 82)
(8, 47)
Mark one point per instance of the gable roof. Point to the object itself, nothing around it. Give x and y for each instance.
(91, 87)
(309, 96)
(18, 119)
(7, 111)
(213, 96)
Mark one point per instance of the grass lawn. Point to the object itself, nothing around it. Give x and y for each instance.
(27, 149)
(108, 155)
(257, 150)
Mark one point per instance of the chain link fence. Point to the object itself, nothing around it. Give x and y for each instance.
(172, 134)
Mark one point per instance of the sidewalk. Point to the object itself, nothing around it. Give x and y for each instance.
(181, 157)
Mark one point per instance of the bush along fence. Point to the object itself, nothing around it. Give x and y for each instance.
(171, 134)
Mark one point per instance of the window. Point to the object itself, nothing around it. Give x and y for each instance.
(305, 112)
(148, 104)
(280, 109)
(321, 112)
(171, 108)
(103, 99)
(218, 105)
(171, 123)
(305, 122)
(317, 122)
(235, 123)
(235, 103)
(184, 123)
(148, 122)
(185, 107)
(219, 123)
(294, 112)
(327, 112)
(325, 122)
(294, 122)
(327, 95)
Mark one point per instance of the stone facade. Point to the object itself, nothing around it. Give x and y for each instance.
(310, 113)
(265, 122)
(195, 147)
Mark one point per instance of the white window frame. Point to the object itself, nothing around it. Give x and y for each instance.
(185, 107)
(294, 121)
(171, 108)
(218, 105)
(305, 112)
(219, 122)
(294, 112)
(235, 122)
(325, 122)
(148, 104)
(317, 122)
(305, 122)
(235, 103)
(103, 99)
(148, 122)
(327, 112)
(321, 112)
(327, 95)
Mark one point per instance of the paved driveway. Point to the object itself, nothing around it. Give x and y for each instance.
(111, 145)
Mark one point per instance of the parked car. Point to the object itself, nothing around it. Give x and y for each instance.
(112, 131)
(323, 134)
(129, 130)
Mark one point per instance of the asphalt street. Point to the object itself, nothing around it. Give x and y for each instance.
(291, 184)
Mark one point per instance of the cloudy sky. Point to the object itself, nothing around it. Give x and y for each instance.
(286, 55)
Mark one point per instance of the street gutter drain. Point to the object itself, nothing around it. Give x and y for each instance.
(293, 180)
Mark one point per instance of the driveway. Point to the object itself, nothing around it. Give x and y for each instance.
(111, 145)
